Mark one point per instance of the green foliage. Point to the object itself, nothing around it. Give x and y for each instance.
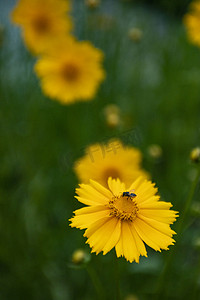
(156, 84)
(176, 7)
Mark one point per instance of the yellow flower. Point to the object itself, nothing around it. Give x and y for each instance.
(110, 160)
(71, 70)
(124, 218)
(41, 21)
(192, 23)
(112, 115)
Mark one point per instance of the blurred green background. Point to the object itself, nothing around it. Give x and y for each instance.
(156, 84)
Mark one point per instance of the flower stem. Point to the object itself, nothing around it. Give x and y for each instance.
(188, 203)
(172, 253)
(96, 282)
(194, 294)
(117, 279)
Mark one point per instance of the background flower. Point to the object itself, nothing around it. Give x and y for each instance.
(192, 22)
(110, 160)
(124, 222)
(41, 21)
(71, 70)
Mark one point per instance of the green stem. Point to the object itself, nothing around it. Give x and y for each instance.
(171, 255)
(117, 279)
(194, 294)
(188, 203)
(96, 282)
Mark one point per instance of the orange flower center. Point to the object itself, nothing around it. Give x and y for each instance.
(70, 72)
(41, 24)
(111, 172)
(123, 207)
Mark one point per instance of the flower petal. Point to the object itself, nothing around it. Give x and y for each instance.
(103, 234)
(84, 220)
(152, 237)
(127, 245)
(93, 196)
(116, 186)
(144, 189)
(155, 204)
(101, 189)
(160, 226)
(139, 242)
(162, 215)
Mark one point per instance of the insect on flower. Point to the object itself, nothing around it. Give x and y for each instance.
(113, 218)
(129, 194)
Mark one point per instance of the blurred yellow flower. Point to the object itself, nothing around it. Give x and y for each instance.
(41, 21)
(192, 23)
(71, 70)
(112, 115)
(124, 218)
(110, 160)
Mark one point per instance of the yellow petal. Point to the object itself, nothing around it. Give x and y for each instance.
(144, 189)
(139, 242)
(164, 216)
(136, 183)
(88, 192)
(91, 209)
(127, 246)
(87, 201)
(116, 186)
(101, 189)
(160, 226)
(83, 221)
(151, 236)
(103, 236)
(155, 205)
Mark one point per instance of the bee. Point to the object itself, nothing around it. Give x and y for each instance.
(129, 194)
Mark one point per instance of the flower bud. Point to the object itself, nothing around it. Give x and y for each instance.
(92, 3)
(135, 34)
(155, 151)
(195, 155)
(80, 257)
(131, 297)
(112, 115)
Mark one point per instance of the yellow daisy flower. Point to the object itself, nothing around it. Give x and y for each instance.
(124, 218)
(71, 70)
(110, 160)
(41, 21)
(192, 23)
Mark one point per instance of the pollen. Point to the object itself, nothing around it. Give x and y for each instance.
(123, 207)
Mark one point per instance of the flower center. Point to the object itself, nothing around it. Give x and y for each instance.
(41, 24)
(110, 172)
(70, 72)
(123, 207)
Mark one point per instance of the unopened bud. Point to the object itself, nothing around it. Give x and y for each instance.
(195, 209)
(135, 34)
(155, 151)
(112, 115)
(195, 155)
(196, 243)
(131, 297)
(92, 3)
(80, 257)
